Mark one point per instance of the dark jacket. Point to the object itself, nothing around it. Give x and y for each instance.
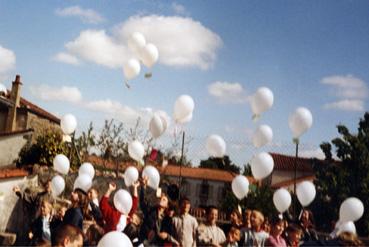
(74, 216)
(37, 229)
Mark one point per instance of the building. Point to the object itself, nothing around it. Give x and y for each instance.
(283, 175)
(19, 121)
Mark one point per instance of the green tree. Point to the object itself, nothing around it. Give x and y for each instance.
(46, 147)
(348, 177)
(224, 163)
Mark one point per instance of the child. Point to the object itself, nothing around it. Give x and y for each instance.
(233, 236)
(40, 228)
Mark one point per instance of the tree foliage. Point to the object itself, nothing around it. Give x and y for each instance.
(348, 177)
(224, 163)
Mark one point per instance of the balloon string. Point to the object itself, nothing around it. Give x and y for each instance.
(255, 117)
(127, 85)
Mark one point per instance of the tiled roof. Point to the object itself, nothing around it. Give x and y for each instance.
(198, 173)
(290, 182)
(12, 173)
(31, 107)
(38, 111)
(287, 163)
(174, 170)
(17, 132)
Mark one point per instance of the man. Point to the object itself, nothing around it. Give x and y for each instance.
(185, 225)
(152, 230)
(33, 201)
(210, 234)
(68, 236)
(255, 236)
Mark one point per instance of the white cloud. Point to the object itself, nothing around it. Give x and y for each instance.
(350, 91)
(181, 41)
(86, 15)
(227, 92)
(346, 105)
(7, 60)
(97, 47)
(117, 110)
(179, 9)
(312, 153)
(66, 58)
(64, 93)
(347, 86)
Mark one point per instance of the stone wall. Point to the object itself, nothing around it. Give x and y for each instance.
(10, 145)
(13, 218)
(40, 124)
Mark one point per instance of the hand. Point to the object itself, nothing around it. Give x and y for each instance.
(16, 189)
(136, 184)
(112, 186)
(145, 180)
(30, 235)
(163, 235)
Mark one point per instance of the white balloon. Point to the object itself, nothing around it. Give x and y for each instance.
(262, 136)
(83, 182)
(156, 126)
(183, 107)
(3, 88)
(136, 150)
(130, 175)
(262, 100)
(186, 119)
(123, 201)
(61, 164)
(87, 168)
(57, 185)
(351, 209)
(281, 200)
(136, 42)
(165, 119)
(153, 176)
(68, 124)
(262, 165)
(149, 55)
(300, 121)
(305, 192)
(131, 68)
(115, 239)
(216, 146)
(348, 226)
(240, 186)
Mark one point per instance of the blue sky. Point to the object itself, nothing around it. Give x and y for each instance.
(309, 53)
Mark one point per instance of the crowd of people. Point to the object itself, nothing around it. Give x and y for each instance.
(162, 222)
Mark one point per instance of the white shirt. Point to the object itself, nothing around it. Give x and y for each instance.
(122, 223)
(185, 227)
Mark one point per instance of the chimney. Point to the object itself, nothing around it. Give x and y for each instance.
(11, 122)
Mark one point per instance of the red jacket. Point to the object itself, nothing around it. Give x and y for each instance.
(111, 215)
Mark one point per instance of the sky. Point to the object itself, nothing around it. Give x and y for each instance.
(309, 53)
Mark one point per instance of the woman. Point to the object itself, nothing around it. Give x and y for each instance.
(275, 238)
(306, 222)
(74, 215)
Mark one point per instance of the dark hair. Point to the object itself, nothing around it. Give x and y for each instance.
(210, 208)
(239, 215)
(65, 231)
(276, 219)
(184, 200)
(82, 201)
(293, 228)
